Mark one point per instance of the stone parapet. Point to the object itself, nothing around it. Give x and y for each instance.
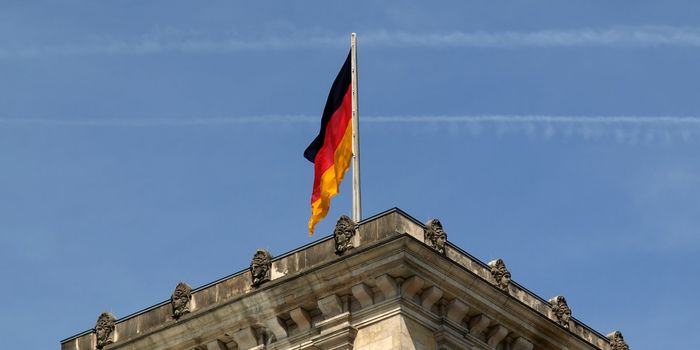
(324, 296)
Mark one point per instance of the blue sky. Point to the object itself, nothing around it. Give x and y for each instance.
(147, 143)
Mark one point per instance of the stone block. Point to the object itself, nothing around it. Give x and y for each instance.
(216, 345)
(411, 286)
(521, 344)
(363, 294)
(387, 285)
(330, 305)
(277, 327)
(456, 310)
(430, 296)
(301, 318)
(496, 335)
(245, 338)
(478, 324)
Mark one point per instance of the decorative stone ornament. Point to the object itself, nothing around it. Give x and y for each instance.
(104, 330)
(180, 300)
(617, 342)
(561, 310)
(343, 233)
(501, 274)
(435, 236)
(260, 267)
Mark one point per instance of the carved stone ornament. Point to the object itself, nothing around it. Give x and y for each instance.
(266, 336)
(180, 300)
(561, 310)
(343, 233)
(260, 267)
(104, 329)
(435, 236)
(501, 274)
(617, 342)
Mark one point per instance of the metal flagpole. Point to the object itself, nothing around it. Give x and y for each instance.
(356, 206)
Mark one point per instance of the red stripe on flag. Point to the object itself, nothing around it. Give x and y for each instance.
(335, 130)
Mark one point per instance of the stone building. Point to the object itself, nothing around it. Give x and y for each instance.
(389, 282)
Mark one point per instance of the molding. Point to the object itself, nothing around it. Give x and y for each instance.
(395, 274)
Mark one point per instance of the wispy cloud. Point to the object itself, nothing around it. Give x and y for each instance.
(623, 129)
(645, 36)
(410, 119)
(675, 120)
(640, 36)
(156, 122)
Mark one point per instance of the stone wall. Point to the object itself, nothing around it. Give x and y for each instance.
(388, 280)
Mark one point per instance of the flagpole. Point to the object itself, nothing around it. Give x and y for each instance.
(356, 206)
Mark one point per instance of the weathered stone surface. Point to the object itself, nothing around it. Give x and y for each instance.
(450, 339)
(496, 335)
(500, 274)
(397, 332)
(245, 338)
(260, 267)
(363, 294)
(330, 305)
(216, 345)
(478, 324)
(180, 300)
(387, 285)
(522, 344)
(411, 286)
(335, 333)
(343, 234)
(430, 296)
(277, 327)
(456, 310)
(561, 311)
(104, 330)
(383, 274)
(617, 341)
(301, 318)
(435, 236)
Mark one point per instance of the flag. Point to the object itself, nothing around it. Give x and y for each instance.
(331, 150)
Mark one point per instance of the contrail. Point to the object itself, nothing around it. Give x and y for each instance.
(623, 129)
(402, 119)
(156, 122)
(644, 36)
(639, 36)
(593, 120)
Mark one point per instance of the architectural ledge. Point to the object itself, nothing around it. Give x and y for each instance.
(370, 280)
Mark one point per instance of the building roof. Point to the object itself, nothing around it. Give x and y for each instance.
(389, 261)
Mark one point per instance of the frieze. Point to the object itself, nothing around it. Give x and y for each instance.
(435, 236)
(343, 234)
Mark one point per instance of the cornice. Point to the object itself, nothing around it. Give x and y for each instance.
(389, 269)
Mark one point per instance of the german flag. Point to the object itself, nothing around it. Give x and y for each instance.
(331, 150)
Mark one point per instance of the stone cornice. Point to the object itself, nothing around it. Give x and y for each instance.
(316, 298)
